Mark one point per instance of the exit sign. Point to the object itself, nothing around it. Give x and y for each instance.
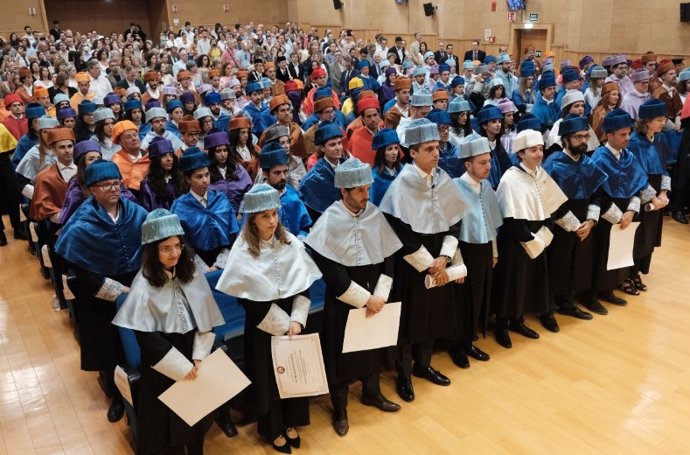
(534, 17)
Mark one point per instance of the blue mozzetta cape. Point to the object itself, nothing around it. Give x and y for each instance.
(449, 160)
(382, 180)
(317, 189)
(210, 227)
(92, 241)
(293, 214)
(483, 216)
(647, 154)
(577, 179)
(626, 177)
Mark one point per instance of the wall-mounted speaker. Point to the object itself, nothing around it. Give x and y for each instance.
(337, 4)
(429, 9)
(685, 12)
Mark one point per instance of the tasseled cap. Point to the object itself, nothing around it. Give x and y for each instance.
(475, 147)
(526, 139)
(326, 131)
(99, 171)
(273, 154)
(260, 198)
(193, 159)
(353, 173)
(160, 224)
(420, 131)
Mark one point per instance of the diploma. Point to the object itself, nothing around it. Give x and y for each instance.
(218, 380)
(621, 246)
(298, 366)
(122, 384)
(377, 331)
(454, 272)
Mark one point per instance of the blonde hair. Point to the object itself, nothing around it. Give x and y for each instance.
(251, 235)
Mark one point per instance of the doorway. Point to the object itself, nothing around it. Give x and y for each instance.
(539, 37)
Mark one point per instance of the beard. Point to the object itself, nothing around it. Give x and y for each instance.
(579, 150)
(280, 186)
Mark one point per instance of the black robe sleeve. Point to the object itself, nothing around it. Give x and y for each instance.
(410, 240)
(89, 282)
(335, 275)
(153, 346)
(517, 229)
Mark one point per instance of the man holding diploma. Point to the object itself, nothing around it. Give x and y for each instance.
(424, 208)
(350, 243)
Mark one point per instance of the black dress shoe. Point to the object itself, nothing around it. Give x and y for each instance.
(432, 375)
(294, 442)
(679, 216)
(226, 426)
(609, 296)
(19, 234)
(477, 354)
(575, 312)
(459, 358)
(380, 402)
(340, 424)
(404, 388)
(3, 238)
(549, 322)
(523, 330)
(593, 305)
(503, 338)
(116, 410)
(285, 448)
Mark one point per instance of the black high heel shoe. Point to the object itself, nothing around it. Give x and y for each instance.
(294, 442)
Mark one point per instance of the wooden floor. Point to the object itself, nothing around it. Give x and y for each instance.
(617, 384)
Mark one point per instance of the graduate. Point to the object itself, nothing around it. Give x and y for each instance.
(38, 158)
(241, 147)
(571, 252)
(478, 247)
(623, 194)
(271, 277)
(386, 163)
(296, 169)
(529, 200)
(293, 213)
(206, 215)
(228, 176)
(317, 189)
(132, 159)
(101, 243)
(353, 244)
(490, 119)
(429, 244)
(172, 311)
(164, 182)
(449, 154)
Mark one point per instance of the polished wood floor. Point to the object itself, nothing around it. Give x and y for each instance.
(617, 384)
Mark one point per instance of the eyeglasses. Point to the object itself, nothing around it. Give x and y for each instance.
(170, 250)
(109, 186)
(582, 137)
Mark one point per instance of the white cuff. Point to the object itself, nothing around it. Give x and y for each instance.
(420, 259)
(32, 232)
(355, 295)
(665, 183)
(222, 258)
(646, 195)
(66, 291)
(494, 248)
(457, 259)
(28, 191)
(593, 212)
(383, 287)
(200, 264)
(613, 215)
(203, 343)
(545, 235)
(300, 310)
(174, 365)
(450, 245)
(454, 272)
(55, 217)
(569, 222)
(276, 322)
(110, 290)
(534, 247)
(46, 256)
(634, 203)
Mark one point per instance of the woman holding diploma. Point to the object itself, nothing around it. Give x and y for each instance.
(271, 276)
(171, 309)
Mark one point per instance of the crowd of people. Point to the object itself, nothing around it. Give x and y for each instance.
(474, 191)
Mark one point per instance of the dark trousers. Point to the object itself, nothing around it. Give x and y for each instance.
(290, 412)
(557, 301)
(195, 447)
(503, 323)
(370, 387)
(418, 354)
(9, 195)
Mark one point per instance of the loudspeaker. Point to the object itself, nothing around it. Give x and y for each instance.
(337, 4)
(685, 12)
(429, 9)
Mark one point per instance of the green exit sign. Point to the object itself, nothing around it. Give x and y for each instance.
(534, 17)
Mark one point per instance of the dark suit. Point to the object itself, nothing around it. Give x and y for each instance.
(345, 78)
(283, 76)
(397, 56)
(481, 55)
(125, 85)
(440, 56)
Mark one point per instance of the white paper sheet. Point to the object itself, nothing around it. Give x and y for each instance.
(217, 381)
(454, 272)
(378, 331)
(621, 246)
(298, 366)
(122, 384)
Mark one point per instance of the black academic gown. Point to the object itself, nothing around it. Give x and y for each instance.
(602, 279)
(475, 293)
(159, 427)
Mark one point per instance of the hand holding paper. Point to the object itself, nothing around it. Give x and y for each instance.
(454, 272)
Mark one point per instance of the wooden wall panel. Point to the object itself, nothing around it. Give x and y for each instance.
(101, 15)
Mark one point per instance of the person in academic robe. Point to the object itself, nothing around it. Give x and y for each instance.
(293, 213)
(530, 200)
(101, 243)
(477, 244)
(132, 160)
(449, 155)
(206, 215)
(361, 138)
(571, 252)
(490, 119)
(281, 108)
(386, 163)
(424, 208)
(164, 182)
(271, 277)
(317, 189)
(227, 175)
(256, 108)
(353, 245)
(38, 158)
(280, 134)
(242, 146)
(171, 309)
(644, 144)
(623, 193)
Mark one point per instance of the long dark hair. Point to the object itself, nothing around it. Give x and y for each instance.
(466, 129)
(230, 166)
(156, 179)
(99, 130)
(234, 136)
(380, 160)
(153, 270)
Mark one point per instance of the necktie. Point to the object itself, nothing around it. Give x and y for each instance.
(474, 55)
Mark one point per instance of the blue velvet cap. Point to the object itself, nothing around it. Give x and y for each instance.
(160, 146)
(384, 137)
(547, 80)
(572, 124)
(132, 104)
(34, 110)
(253, 87)
(212, 98)
(323, 92)
(362, 64)
(489, 59)
(652, 108)
(529, 122)
(172, 105)
(101, 170)
(439, 117)
(272, 154)
(326, 131)
(443, 67)
(570, 75)
(457, 80)
(193, 159)
(488, 113)
(87, 107)
(111, 98)
(527, 68)
(616, 119)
